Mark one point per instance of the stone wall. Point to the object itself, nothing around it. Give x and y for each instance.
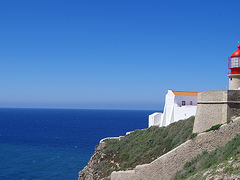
(211, 110)
(167, 165)
(234, 103)
(216, 107)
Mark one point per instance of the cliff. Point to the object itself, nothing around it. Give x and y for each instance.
(94, 169)
(139, 147)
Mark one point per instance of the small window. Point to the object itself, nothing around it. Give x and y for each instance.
(190, 102)
(183, 103)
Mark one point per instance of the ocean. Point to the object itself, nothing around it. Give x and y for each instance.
(55, 144)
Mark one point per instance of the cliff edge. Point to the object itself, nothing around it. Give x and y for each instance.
(93, 170)
(138, 147)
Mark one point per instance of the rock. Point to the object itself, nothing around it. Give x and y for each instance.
(89, 172)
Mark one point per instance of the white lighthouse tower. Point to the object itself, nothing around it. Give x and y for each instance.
(234, 65)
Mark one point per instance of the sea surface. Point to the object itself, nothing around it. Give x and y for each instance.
(55, 144)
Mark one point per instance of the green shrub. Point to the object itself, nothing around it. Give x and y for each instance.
(213, 128)
(229, 121)
(193, 135)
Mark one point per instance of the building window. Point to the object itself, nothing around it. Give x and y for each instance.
(183, 103)
(190, 102)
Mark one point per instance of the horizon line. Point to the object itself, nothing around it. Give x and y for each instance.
(72, 108)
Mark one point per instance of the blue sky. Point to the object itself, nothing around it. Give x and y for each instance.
(113, 54)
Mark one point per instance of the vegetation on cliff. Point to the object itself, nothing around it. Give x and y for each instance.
(224, 162)
(140, 147)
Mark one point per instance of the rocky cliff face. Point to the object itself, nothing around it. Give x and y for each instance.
(90, 172)
(99, 166)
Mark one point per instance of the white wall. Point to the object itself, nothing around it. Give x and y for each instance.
(178, 100)
(173, 109)
(154, 119)
(168, 109)
(184, 112)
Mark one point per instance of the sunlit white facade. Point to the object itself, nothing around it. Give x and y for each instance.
(179, 105)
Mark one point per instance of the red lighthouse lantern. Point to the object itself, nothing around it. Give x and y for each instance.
(234, 66)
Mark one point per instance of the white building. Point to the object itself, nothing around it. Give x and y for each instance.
(154, 119)
(179, 105)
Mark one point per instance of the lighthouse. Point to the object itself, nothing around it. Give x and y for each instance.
(234, 66)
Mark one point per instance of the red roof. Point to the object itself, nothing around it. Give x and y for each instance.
(236, 53)
(184, 93)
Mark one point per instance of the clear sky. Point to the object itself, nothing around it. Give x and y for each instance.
(122, 54)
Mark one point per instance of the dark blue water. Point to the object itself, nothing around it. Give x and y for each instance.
(54, 144)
